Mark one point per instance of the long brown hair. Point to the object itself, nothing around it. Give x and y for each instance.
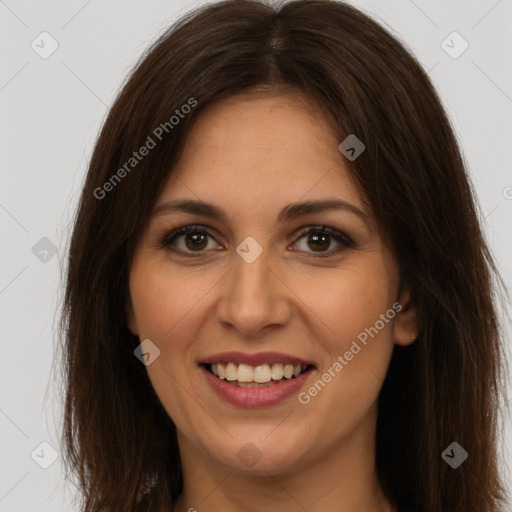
(445, 387)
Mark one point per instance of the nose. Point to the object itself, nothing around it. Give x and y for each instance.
(254, 297)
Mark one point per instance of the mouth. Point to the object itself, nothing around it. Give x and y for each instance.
(256, 380)
(258, 376)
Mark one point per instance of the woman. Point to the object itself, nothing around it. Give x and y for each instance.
(279, 295)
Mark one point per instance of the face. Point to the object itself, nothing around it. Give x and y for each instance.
(279, 285)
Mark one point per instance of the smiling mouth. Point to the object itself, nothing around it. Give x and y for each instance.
(260, 376)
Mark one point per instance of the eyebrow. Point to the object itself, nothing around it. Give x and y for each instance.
(289, 212)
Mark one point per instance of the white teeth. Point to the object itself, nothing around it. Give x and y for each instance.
(231, 372)
(261, 374)
(288, 371)
(245, 372)
(277, 371)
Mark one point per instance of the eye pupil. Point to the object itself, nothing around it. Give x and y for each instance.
(196, 240)
(319, 240)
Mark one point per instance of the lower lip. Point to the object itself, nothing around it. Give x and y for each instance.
(255, 397)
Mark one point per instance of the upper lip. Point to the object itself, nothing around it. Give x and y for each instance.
(255, 359)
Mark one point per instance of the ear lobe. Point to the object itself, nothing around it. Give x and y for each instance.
(407, 321)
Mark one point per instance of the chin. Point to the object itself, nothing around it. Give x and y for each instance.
(261, 453)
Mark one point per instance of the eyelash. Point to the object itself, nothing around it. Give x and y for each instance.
(344, 240)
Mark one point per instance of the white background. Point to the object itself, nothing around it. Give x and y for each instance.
(50, 113)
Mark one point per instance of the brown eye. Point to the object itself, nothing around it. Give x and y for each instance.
(319, 240)
(196, 241)
(187, 240)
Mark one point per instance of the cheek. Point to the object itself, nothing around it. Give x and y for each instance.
(347, 302)
(163, 299)
(164, 305)
(348, 312)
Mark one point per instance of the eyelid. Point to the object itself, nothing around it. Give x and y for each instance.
(170, 236)
(299, 233)
(341, 238)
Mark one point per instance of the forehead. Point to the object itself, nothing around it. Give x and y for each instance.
(264, 123)
(261, 148)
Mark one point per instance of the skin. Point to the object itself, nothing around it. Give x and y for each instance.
(252, 154)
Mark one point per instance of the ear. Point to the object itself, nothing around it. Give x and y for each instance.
(407, 320)
(131, 321)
